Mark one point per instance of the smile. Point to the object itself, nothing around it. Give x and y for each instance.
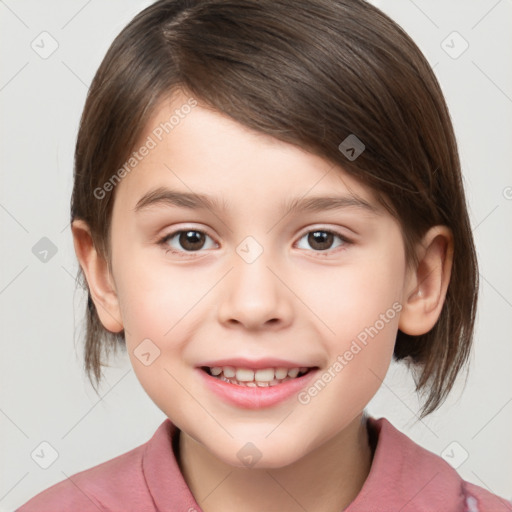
(254, 393)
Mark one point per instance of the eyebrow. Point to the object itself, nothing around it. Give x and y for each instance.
(321, 203)
(167, 197)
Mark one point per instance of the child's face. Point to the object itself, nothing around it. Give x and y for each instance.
(294, 301)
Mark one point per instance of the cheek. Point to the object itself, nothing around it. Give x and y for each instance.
(353, 297)
(360, 303)
(360, 355)
(154, 298)
(154, 309)
(159, 304)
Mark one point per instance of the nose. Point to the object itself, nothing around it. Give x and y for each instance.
(255, 296)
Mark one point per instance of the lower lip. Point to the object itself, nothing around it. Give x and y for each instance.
(256, 397)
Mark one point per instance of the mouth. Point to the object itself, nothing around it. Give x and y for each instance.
(256, 377)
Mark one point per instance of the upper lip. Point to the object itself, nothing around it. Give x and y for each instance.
(267, 362)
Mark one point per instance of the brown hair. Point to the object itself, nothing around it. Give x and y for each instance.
(310, 73)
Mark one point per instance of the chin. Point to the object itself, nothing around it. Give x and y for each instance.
(264, 455)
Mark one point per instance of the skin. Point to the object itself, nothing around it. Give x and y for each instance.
(298, 300)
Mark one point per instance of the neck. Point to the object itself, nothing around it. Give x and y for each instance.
(326, 479)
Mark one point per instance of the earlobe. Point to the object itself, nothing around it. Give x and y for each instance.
(426, 284)
(98, 277)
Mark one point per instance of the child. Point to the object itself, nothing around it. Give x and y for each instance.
(263, 128)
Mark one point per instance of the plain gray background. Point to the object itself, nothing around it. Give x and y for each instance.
(45, 396)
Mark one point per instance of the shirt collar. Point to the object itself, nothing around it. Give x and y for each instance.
(163, 476)
(406, 477)
(403, 476)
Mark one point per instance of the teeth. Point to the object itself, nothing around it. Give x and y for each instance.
(244, 375)
(228, 371)
(261, 377)
(281, 373)
(293, 372)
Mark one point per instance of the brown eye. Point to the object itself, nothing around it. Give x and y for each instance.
(191, 240)
(322, 240)
(183, 241)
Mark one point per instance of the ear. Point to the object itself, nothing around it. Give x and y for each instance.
(426, 285)
(99, 279)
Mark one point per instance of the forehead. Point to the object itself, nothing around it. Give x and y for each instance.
(189, 146)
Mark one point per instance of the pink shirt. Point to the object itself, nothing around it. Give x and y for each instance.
(403, 477)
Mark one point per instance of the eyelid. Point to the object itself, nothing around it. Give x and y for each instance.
(162, 240)
(185, 229)
(346, 241)
(324, 227)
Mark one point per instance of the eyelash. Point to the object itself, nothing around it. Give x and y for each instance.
(163, 241)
